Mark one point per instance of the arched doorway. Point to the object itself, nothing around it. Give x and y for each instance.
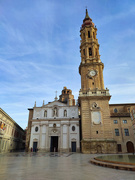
(130, 147)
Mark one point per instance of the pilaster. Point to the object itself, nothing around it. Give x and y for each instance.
(40, 137)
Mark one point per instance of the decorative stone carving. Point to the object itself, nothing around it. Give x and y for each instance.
(96, 117)
(94, 105)
(54, 130)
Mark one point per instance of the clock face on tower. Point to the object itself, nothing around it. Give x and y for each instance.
(92, 73)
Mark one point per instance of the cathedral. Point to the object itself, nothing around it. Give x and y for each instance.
(54, 127)
(90, 126)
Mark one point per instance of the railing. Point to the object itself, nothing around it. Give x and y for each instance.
(1, 132)
(95, 93)
(122, 114)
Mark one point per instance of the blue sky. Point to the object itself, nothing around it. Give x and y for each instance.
(39, 50)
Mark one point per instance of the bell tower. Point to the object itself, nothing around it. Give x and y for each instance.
(91, 67)
(96, 132)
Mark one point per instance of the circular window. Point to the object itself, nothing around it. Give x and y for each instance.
(36, 128)
(115, 110)
(73, 128)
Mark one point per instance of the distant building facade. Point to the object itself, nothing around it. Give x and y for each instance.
(122, 127)
(55, 126)
(12, 136)
(132, 114)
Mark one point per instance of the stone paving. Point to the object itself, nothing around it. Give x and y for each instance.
(49, 166)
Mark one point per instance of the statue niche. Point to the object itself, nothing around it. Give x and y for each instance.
(65, 113)
(55, 112)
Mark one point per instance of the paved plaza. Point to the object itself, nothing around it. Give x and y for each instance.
(46, 166)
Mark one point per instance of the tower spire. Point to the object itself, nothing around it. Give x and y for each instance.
(87, 15)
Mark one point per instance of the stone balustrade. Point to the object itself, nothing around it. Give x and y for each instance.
(1, 132)
(95, 93)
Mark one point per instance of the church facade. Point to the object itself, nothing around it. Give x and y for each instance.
(55, 126)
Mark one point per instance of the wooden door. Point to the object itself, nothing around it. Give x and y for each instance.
(73, 146)
(130, 147)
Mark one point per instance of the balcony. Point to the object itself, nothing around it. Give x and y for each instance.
(95, 92)
(1, 132)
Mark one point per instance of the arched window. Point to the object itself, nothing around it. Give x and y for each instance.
(96, 51)
(83, 35)
(88, 34)
(90, 52)
(93, 35)
(115, 110)
(65, 113)
(84, 52)
(45, 113)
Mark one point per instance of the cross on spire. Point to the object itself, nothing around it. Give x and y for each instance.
(56, 96)
(56, 93)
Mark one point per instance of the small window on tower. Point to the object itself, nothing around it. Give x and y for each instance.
(84, 52)
(90, 52)
(115, 110)
(88, 34)
(83, 35)
(93, 35)
(93, 83)
(96, 51)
